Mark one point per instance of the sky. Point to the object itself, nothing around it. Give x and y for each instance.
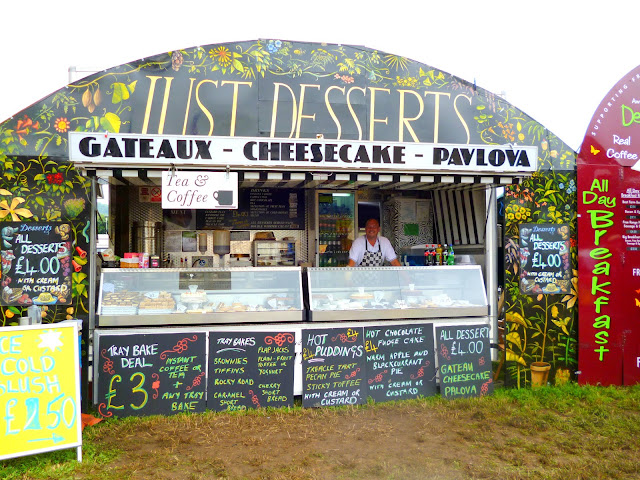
(554, 60)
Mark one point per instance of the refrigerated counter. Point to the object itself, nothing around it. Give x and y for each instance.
(374, 293)
(209, 296)
(176, 296)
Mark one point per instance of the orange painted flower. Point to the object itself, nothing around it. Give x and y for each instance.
(222, 55)
(61, 125)
(23, 126)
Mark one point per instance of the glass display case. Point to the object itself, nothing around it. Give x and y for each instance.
(336, 228)
(373, 293)
(176, 296)
(274, 253)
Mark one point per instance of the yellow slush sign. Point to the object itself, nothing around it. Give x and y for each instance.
(39, 389)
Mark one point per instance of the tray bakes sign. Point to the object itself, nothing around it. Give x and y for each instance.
(199, 190)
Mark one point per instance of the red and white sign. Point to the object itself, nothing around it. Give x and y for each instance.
(199, 190)
(150, 194)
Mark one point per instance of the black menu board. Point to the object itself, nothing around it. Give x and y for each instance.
(333, 367)
(464, 360)
(400, 361)
(258, 209)
(148, 374)
(545, 265)
(36, 263)
(250, 370)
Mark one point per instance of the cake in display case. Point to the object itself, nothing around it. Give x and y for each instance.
(373, 293)
(172, 296)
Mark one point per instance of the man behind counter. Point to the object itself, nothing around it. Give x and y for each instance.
(370, 250)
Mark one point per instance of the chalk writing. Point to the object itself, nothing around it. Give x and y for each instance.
(250, 370)
(333, 372)
(39, 395)
(400, 362)
(463, 369)
(151, 374)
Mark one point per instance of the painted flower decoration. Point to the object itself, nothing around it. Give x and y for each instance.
(6, 209)
(222, 55)
(55, 178)
(274, 45)
(61, 125)
(24, 125)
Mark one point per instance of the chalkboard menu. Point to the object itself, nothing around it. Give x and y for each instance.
(333, 367)
(464, 360)
(250, 370)
(545, 265)
(148, 374)
(258, 209)
(400, 361)
(36, 263)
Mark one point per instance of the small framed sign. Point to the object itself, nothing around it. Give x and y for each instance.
(199, 190)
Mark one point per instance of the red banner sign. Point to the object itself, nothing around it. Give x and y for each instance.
(609, 239)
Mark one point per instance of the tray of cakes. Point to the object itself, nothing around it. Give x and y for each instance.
(123, 302)
(155, 303)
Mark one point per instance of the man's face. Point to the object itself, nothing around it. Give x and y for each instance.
(372, 228)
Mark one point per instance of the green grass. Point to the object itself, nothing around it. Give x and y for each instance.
(544, 433)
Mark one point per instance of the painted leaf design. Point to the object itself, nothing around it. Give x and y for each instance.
(515, 317)
(513, 357)
(110, 122)
(120, 92)
(514, 337)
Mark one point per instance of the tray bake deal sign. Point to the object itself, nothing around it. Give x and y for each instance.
(39, 389)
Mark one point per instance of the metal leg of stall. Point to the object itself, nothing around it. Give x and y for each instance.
(491, 262)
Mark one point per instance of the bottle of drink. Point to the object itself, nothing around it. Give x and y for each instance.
(451, 257)
(445, 254)
(439, 255)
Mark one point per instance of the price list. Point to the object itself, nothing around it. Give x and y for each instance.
(545, 263)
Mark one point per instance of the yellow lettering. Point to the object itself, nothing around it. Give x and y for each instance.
(234, 106)
(436, 113)
(274, 111)
(372, 114)
(405, 121)
(334, 117)
(353, 113)
(202, 107)
(186, 113)
(303, 88)
(459, 115)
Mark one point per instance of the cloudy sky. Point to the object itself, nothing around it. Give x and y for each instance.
(555, 60)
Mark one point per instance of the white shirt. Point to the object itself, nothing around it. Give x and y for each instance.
(360, 245)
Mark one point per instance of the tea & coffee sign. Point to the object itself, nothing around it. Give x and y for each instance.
(199, 190)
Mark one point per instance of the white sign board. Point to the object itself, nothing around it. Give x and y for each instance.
(199, 190)
(301, 154)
